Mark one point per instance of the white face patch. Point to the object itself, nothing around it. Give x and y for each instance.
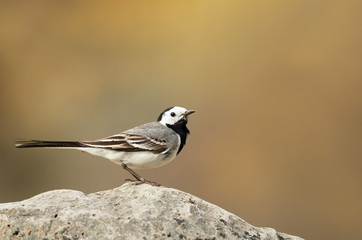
(173, 115)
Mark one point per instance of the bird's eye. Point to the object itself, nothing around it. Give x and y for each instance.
(173, 114)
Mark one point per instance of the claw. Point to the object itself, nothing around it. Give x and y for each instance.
(138, 182)
(151, 183)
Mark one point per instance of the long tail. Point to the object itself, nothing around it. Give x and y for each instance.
(48, 144)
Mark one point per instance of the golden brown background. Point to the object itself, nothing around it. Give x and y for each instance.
(277, 85)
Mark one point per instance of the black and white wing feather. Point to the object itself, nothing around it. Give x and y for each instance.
(129, 142)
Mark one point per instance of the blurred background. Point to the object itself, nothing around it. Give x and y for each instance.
(276, 84)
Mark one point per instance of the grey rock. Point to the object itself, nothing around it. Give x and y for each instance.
(126, 212)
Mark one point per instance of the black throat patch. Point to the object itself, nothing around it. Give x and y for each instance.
(181, 129)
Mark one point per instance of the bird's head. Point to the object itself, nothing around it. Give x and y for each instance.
(174, 115)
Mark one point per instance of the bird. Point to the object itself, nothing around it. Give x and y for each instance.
(146, 146)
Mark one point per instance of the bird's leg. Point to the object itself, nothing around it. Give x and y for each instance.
(139, 179)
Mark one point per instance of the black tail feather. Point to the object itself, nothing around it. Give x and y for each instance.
(45, 144)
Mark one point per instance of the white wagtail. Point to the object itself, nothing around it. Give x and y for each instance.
(149, 145)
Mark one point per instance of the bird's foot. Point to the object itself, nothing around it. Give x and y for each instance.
(142, 181)
(138, 179)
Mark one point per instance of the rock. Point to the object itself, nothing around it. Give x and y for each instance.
(126, 212)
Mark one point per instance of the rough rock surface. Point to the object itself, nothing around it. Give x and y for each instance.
(126, 212)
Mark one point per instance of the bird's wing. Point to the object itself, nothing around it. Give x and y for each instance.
(129, 142)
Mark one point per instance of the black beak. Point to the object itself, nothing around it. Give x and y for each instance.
(188, 112)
